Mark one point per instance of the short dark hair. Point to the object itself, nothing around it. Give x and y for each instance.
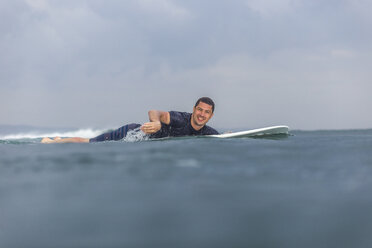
(206, 100)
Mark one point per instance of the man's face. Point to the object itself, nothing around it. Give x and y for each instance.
(202, 114)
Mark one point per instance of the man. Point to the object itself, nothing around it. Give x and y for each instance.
(162, 124)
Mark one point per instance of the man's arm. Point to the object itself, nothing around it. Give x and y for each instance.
(157, 115)
(156, 118)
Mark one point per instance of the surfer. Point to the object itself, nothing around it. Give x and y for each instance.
(162, 124)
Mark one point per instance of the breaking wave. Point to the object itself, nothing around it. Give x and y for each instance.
(83, 133)
(35, 136)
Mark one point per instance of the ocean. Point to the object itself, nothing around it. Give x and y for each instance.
(308, 189)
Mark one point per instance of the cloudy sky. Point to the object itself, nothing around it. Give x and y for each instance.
(104, 63)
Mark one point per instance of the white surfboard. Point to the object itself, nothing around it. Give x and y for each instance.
(266, 131)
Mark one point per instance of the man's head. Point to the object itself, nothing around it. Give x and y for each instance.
(206, 100)
(202, 112)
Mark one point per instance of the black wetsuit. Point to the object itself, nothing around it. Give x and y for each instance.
(179, 125)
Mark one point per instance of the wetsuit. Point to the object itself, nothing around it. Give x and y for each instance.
(117, 134)
(179, 125)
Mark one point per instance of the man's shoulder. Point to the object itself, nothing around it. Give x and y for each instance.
(178, 118)
(172, 112)
(179, 115)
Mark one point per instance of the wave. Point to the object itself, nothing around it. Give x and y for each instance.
(35, 136)
(83, 133)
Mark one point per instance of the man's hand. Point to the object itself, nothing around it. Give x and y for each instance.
(151, 127)
(156, 118)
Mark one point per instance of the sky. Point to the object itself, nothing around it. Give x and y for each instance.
(105, 63)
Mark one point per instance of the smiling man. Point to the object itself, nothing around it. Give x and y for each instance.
(175, 124)
(162, 124)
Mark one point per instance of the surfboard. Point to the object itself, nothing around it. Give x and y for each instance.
(266, 131)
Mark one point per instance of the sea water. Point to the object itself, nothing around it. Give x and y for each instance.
(309, 189)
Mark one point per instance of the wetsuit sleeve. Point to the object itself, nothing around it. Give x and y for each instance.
(178, 119)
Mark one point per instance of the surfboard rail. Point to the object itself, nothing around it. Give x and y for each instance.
(273, 130)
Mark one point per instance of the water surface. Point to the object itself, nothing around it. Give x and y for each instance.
(311, 189)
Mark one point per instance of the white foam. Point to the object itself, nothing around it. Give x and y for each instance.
(135, 135)
(83, 133)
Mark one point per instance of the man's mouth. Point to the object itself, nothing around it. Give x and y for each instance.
(200, 118)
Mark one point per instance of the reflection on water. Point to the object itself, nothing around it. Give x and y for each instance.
(306, 190)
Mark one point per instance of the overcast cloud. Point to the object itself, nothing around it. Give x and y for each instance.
(95, 63)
